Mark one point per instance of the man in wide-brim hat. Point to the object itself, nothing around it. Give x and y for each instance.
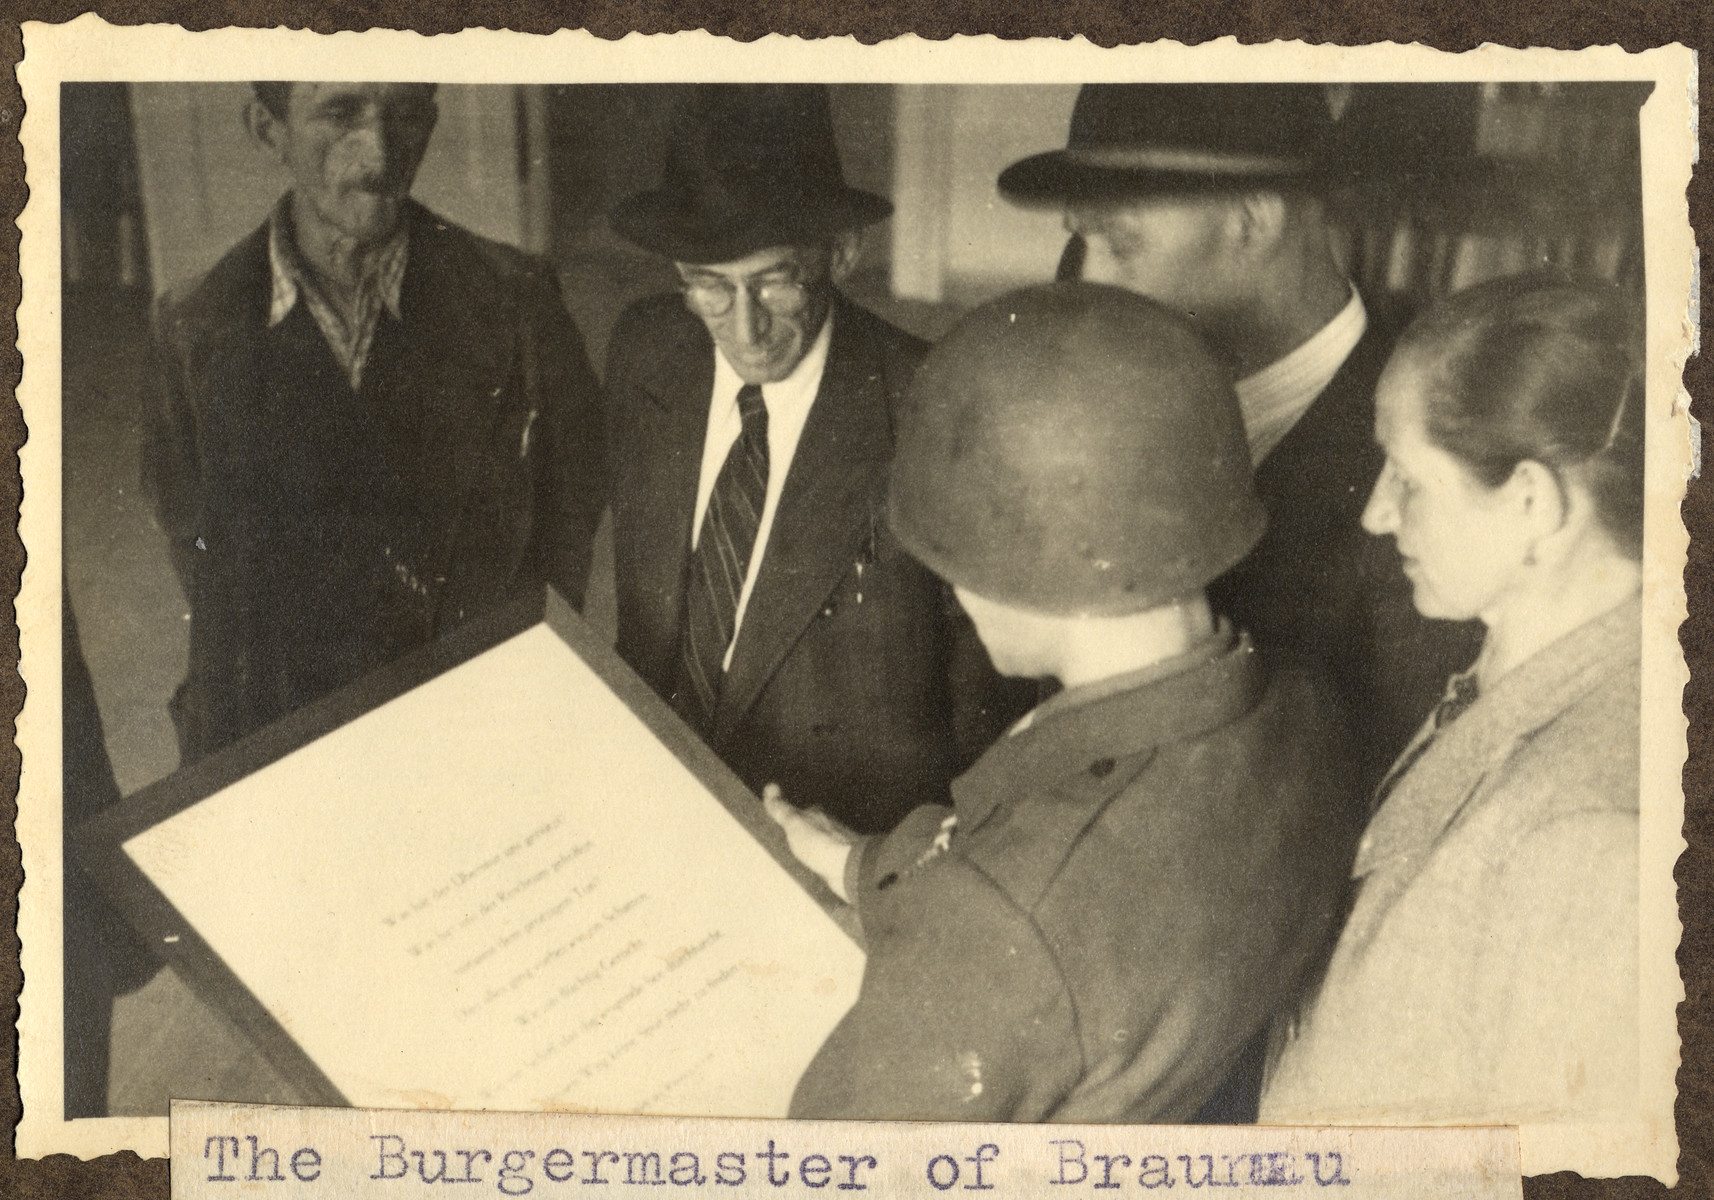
(1210, 198)
(751, 417)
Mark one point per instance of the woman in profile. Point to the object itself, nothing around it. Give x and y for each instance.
(1489, 966)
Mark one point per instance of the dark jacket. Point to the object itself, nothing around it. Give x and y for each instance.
(1137, 883)
(320, 532)
(1320, 591)
(856, 683)
(103, 956)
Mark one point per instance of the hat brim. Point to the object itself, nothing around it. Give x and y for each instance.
(666, 225)
(1058, 177)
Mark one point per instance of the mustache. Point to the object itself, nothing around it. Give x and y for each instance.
(382, 180)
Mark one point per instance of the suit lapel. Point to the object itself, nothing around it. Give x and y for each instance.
(244, 427)
(1435, 789)
(233, 326)
(453, 351)
(671, 425)
(827, 516)
(456, 336)
(1333, 438)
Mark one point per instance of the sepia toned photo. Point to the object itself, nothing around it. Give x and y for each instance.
(795, 580)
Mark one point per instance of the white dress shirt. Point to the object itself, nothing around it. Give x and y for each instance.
(788, 403)
(1275, 397)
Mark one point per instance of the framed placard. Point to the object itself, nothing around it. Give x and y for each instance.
(435, 888)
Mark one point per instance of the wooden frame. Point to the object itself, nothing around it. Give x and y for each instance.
(98, 845)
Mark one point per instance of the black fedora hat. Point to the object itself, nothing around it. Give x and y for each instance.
(748, 166)
(1130, 139)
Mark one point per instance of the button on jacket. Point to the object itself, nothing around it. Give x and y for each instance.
(1137, 882)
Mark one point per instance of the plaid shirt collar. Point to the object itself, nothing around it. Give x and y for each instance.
(292, 280)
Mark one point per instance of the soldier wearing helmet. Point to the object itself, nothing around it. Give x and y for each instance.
(1132, 884)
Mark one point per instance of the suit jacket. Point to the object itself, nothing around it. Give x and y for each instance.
(1488, 971)
(1136, 883)
(319, 532)
(855, 683)
(1320, 591)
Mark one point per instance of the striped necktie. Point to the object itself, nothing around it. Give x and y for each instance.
(1461, 693)
(720, 562)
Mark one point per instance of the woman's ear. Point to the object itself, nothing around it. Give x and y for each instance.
(1541, 504)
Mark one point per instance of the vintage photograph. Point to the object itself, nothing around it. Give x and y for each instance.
(1068, 601)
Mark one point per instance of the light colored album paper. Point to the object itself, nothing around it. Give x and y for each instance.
(956, 112)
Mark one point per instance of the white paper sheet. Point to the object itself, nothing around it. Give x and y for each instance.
(500, 890)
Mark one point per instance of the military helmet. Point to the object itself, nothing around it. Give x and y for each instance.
(1074, 449)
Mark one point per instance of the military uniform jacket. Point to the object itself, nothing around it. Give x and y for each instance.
(1135, 885)
(319, 532)
(1322, 592)
(856, 683)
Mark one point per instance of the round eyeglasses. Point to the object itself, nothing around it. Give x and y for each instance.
(715, 297)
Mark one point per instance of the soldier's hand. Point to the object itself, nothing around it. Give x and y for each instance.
(819, 842)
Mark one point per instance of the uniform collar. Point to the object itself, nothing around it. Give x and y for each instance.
(1216, 643)
(1088, 743)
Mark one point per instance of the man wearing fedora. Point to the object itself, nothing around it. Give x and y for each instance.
(1209, 198)
(364, 425)
(750, 428)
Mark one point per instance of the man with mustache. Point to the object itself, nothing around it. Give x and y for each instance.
(365, 424)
